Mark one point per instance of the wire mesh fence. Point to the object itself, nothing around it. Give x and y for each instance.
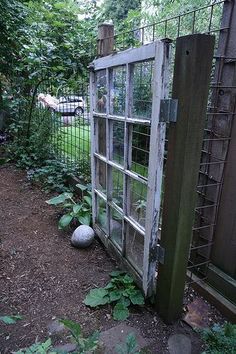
(66, 111)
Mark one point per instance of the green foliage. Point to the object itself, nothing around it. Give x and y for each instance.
(118, 10)
(220, 339)
(52, 175)
(85, 345)
(129, 347)
(10, 319)
(121, 291)
(38, 348)
(31, 137)
(80, 212)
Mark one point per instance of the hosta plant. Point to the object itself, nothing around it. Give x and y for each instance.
(120, 291)
(74, 212)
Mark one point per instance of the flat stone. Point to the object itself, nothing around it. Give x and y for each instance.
(55, 327)
(198, 313)
(117, 336)
(179, 344)
(66, 348)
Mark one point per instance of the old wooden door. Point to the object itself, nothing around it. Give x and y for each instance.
(127, 155)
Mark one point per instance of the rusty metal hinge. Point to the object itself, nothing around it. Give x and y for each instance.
(168, 110)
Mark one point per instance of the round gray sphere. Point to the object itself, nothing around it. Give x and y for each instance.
(82, 236)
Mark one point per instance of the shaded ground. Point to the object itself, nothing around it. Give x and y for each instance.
(43, 278)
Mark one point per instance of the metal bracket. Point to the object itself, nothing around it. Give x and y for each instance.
(160, 254)
(168, 110)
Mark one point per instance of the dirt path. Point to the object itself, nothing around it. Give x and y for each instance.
(43, 278)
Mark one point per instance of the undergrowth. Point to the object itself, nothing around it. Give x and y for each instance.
(120, 291)
(220, 339)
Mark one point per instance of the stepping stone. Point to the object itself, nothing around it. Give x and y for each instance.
(179, 344)
(55, 327)
(117, 336)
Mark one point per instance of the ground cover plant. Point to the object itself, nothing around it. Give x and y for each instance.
(121, 291)
(74, 212)
(220, 339)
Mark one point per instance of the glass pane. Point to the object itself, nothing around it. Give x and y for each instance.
(134, 247)
(117, 190)
(138, 200)
(101, 182)
(101, 91)
(118, 142)
(142, 90)
(101, 214)
(116, 227)
(100, 128)
(117, 104)
(140, 149)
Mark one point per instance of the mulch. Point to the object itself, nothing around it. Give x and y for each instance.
(44, 278)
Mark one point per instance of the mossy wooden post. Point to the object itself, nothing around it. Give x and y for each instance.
(193, 61)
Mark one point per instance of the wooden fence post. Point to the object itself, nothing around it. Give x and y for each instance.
(104, 48)
(192, 70)
(105, 39)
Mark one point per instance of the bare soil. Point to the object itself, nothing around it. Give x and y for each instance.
(42, 277)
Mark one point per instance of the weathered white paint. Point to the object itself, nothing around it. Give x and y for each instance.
(157, 51)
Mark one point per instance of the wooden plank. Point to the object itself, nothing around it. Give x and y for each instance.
(131, 55)
(105, 39)
(155, 168)
(222, 282)
(226, 307)
(193, 62)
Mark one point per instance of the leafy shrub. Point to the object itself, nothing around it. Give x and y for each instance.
(220, 339)
(121, 290)
(75, 212)
(53, 175)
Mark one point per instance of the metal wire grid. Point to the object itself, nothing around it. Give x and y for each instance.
(206, 19)
(69, 123)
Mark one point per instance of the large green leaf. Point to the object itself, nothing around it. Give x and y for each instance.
(85, 219)
(115, 295)
(136, 297)
(97, 297)
(120, 312)
(59, 199)
(74, 328)
(65, 221)
(10, 319)
(77, 208)
(88, 200)
(81, 187)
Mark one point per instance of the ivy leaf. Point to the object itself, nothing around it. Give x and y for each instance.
(97, 297)
(120, 312)
(10, 319)
(65, 221)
